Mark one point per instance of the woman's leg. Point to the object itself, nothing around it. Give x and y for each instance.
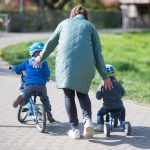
(85, 105)
(71, 107)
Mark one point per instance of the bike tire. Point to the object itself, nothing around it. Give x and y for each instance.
(40, 118)
(21, 116)
(127, 129)
(107, 129)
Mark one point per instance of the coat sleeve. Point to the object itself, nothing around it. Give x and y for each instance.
(51, 43)
(99, 61)
(47, 71)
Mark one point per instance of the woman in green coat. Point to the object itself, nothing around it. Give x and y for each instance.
(79, 52)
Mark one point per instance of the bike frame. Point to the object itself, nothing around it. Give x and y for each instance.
(120, 121)
(31, 102)
(32, 111)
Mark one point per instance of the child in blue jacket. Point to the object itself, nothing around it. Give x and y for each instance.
(35, 79)
(112, 99)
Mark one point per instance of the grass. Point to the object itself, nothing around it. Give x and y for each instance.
(128, 52)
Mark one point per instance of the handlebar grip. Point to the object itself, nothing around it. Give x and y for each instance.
(10, 67)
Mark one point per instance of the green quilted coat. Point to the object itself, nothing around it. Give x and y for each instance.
(78, 54)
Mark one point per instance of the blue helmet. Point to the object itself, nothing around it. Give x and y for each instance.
(110, 69)
(37, 46)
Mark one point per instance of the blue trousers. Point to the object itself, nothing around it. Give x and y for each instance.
(103, 111)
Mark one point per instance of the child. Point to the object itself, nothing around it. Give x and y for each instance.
(111, 99)
(35, 79)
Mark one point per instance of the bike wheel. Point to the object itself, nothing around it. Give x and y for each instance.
(22, 113)
(40, 118)
(107, 129)
(127, 129)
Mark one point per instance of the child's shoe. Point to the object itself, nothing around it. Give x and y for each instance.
(99, 128)
(18, 101)
(50, 118)
(74, 133)
(88, 129)
(25, 109)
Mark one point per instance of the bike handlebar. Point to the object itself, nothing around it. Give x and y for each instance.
(19, 73)
(10, 68)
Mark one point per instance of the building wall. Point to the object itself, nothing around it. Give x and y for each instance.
(135, 13)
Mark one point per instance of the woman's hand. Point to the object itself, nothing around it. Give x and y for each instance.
(108, 84)
(37, 62)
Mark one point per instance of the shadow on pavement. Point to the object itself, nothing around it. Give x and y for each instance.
(139, 138)
(58, 128)
(61, 128)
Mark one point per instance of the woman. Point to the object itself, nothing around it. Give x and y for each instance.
(79, 52)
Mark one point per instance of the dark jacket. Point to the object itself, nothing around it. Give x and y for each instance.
(111, 99)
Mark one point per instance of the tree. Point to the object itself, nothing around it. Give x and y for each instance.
(51, 4)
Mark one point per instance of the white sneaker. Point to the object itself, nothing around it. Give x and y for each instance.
(99, 128)
(75, 134)
(88, 129)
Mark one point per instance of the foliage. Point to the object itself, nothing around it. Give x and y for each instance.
(53, 4)
(105, 19)
(93, 5)
(35, 5)
(128, 52)
(98, 4)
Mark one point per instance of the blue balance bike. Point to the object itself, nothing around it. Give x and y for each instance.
(112, 121)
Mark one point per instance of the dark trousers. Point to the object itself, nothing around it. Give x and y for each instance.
(71, 109)
(103, 111)
(41, 89)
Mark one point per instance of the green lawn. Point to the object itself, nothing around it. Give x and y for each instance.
(128, 52)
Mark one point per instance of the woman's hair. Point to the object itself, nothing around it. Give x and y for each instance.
(79, 9)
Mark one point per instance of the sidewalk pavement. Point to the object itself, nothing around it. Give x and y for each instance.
(7, 39)
(17, 136)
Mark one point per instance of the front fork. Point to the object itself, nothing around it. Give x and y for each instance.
(32, 110)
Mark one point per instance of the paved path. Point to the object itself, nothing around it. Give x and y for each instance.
(13, 38)
(17, 136)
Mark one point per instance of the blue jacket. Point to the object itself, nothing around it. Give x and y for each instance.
(33, 75)
(78, 54)
(111, 99)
